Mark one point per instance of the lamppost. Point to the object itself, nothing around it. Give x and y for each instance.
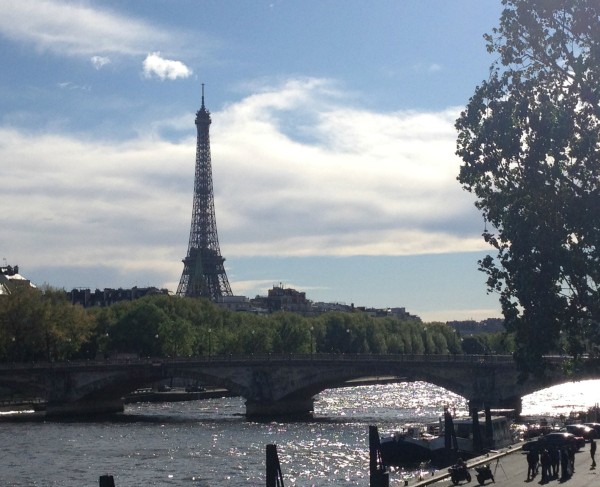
(209, 342)
(349, 340)
(103, 343)
(312, 329)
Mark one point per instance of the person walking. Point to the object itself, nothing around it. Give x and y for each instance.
(532, 461)
(564, 464)
(572, 460)
(593, 452)
(554, 461)
(546, 465)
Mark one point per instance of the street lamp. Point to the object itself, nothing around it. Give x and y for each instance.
(209, 341)
(349, 340)
(312, 329)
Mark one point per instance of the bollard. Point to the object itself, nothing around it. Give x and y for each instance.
(378, 474)
(274, 474)
(106, 481)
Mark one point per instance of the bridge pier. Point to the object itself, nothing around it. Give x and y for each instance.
(515, 403)
(84, 408)
(286, 407)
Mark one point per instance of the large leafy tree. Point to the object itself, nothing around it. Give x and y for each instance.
(42, 325)
(530, 144)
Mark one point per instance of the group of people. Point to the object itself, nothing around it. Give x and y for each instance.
(554, 461)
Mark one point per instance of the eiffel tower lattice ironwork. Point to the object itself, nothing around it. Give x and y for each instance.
(203, 270)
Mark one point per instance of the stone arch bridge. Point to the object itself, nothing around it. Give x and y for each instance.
(273, 384)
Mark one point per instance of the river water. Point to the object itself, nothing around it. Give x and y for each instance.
(210, 443)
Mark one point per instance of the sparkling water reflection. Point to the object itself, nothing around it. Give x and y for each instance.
(563, 399)
(210, 443)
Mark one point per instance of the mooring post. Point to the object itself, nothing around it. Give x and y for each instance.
(450, 441)
(106, 481)
(489, 427)
(274, 475)
(378, 474)
(477, 444)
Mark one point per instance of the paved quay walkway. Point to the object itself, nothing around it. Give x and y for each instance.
(509, 466)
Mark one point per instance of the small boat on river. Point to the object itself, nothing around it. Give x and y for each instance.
(410, 446)
(430, 442)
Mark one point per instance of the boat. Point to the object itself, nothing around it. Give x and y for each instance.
(501, 437)
(442, 442)
(174, 395)
(410, 446)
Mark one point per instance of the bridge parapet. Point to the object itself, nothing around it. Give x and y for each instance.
(254, 358)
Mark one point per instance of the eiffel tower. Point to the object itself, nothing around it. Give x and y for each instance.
(203, 270)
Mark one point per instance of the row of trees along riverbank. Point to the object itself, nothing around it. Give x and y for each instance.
(38, 325)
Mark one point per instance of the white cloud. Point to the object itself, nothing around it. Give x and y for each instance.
(296, 173)
(76, 202)
(364, 184)
(68, 85)
(256, 287)
(99, 61)
(73, 28)
(155, 65)
(427, 68)
(475, 314)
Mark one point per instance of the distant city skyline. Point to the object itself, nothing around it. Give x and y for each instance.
(332, 145)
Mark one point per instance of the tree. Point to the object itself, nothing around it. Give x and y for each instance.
(178, 338)
(139, 330)
(67, 327)
(23, 325)
(291, 333)
(529, 139)
(475, 345)
(338, 333)
(41, 324)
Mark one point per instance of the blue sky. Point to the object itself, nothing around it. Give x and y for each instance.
(332, 145)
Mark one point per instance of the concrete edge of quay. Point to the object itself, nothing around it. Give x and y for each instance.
(443, 473)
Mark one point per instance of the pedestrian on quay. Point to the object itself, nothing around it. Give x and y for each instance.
(593, 452)
(532, 463)
(572, 459)
(554, 461)
(564, 464)
(546, 465)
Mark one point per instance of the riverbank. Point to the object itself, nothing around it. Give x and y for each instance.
(509, 467)
(493, 459)
(34, 410)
